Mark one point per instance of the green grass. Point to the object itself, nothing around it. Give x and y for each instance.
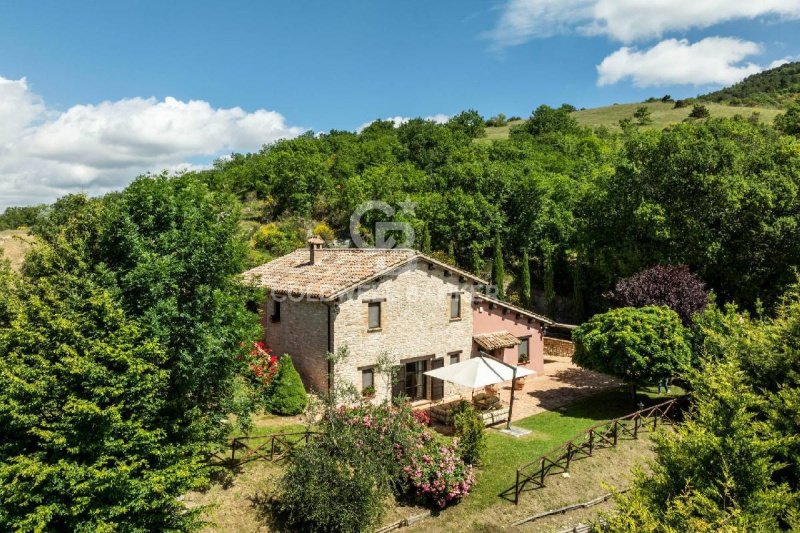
(663, 115)
(548, 430)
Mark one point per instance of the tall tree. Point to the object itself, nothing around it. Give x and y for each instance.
(498, 270)
(82, 389)
(549, 279)
(525, 280)
(476, 260)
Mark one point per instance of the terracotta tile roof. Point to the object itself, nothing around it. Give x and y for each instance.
(516, 309)
(335, 271)
(495, 340)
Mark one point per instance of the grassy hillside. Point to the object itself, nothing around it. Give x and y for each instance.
(13, 246)
(663, 114)
(774, 87)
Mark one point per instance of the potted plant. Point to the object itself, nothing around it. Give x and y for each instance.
(368, 392)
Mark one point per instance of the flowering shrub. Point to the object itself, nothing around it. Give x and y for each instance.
(423, 417)
(438, 474)
(263, 364)
(415, 462)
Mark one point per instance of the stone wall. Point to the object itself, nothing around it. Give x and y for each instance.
(415, 322)
(302, 333)
(558, 347)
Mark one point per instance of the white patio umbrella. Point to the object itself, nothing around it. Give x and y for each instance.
(479, 372)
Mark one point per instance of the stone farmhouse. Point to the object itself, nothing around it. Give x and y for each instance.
(420, 311)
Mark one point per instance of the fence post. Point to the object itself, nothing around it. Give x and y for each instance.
(616, 431)
(655, 421)
(233, 451)
(272, 448)
(569, 454)
(516, 489)
(541, 482)
(636, 427)
(591, 442)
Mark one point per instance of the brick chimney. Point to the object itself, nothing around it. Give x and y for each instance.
(314, 243)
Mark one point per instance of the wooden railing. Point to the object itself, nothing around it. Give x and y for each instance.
(603, 435)
(272, 447)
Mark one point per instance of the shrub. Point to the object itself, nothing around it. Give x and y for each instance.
(680, 104)
(324, 232)
(438, 475)
(471, 433)
(278, 239)
(699, 111)
(325, 490)
(286, 394)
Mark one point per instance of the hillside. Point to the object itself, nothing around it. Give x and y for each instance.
(774, 87)
(13, 246)
(663, 115)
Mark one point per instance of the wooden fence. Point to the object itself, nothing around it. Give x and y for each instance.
(606, 434)
(272, 447)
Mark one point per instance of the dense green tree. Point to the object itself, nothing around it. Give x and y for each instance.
(171, 251)
(82, 392)
(789, 122)
(470, 123)
(639, 346)
(545, 119)
(733, 464)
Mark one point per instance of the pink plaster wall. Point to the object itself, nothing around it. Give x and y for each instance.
(486, 320)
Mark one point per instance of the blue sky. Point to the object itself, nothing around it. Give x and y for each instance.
(96, 92)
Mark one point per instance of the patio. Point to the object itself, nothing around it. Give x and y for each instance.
(561, 384)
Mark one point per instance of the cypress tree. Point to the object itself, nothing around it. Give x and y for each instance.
(549, 281)
(477, 263)
(451, 252)
(526, 281)
(498, 271)
(286, 394)
(425, 239)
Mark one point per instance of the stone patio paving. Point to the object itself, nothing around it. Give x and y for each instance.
(562, 383)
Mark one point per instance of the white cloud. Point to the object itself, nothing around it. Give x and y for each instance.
(45, 154)
(713, 60)
(439, 118)
(625, 20)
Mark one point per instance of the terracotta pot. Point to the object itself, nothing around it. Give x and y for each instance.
(519, 384)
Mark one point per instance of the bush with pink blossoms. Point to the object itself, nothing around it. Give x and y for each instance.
(438, 475)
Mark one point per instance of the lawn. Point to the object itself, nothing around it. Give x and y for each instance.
(548, 430)
(663, 115)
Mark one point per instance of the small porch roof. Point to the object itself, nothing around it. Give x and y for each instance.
(496, 340)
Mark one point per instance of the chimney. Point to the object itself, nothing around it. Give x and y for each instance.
(314, 243)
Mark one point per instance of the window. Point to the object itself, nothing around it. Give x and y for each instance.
(455, 357)
(276, 311)
(524, 356)
(368, 379)
(415, 380)
(374, 315)
(455, 306)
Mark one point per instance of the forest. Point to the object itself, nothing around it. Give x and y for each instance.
(587, 207)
